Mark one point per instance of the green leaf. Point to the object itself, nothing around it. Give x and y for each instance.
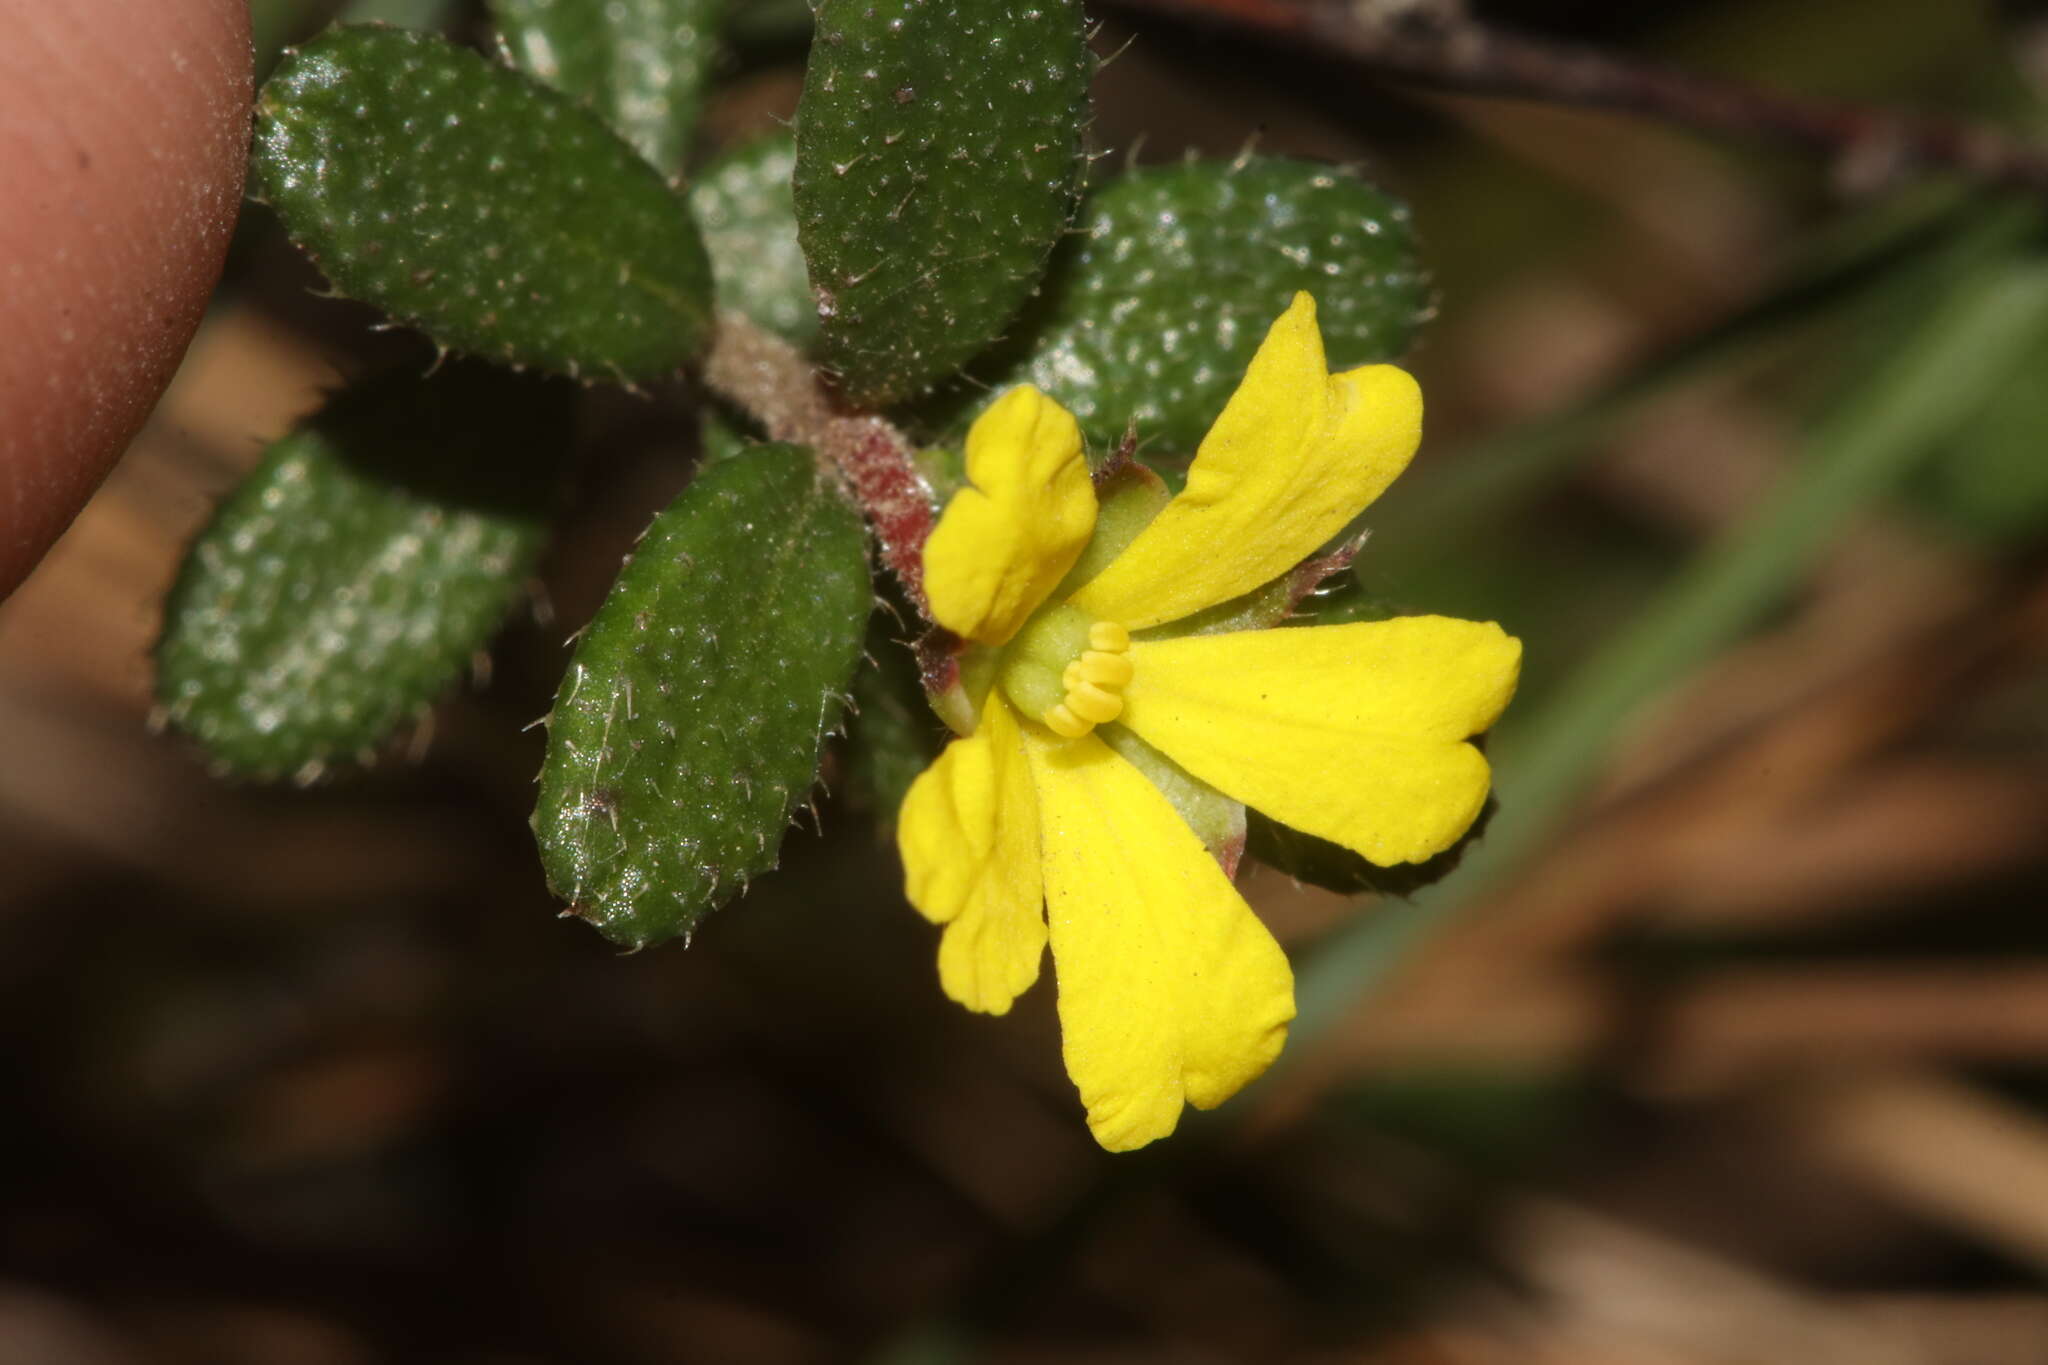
(748, 210)
(500, 217)
(643, 64)
(1991, 485)
(354, 575)
(938, 159)
(722, 434)
(1152, 310)
(690, 722)
(893, 735)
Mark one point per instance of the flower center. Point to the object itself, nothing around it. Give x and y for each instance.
(1094, 683)
(1068, 671)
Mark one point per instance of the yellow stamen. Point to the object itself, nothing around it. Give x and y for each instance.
(1109, 637)
(1092, 704)
(1112, 671)
(1094, 683)
(1065, 723)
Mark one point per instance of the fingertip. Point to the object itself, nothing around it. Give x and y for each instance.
(125, 132)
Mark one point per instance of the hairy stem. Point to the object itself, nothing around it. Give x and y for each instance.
(773, 381)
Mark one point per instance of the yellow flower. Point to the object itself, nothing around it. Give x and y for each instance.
(1056, 818)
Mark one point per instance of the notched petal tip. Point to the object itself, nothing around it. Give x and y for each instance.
(1006, 540)
(1022, 417)
(1376, 413)
(968, 833)
(1125, 1123)
(1354, 733)
(1296, 453)
(1170, 989)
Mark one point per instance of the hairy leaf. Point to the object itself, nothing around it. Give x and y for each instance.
(745, 203)
(643, 64)
(893, 735)
(938, 155)
(354, 575)
(500, 217)
(689, 725)
(1153, 308)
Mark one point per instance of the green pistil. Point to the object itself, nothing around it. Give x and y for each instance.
(1032, 664)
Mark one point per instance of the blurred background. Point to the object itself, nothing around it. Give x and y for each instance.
(1728, 1044)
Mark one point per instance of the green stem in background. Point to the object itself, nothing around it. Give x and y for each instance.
(1971, 342)
(1849, 266)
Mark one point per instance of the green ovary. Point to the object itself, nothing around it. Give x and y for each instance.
(1067, 670)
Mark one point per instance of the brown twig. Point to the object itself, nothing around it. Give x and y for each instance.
(1419, 42)
(771, 379)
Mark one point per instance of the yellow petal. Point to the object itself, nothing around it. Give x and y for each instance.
(1170, 988)
(1353, 732)
(968, 833)
(1007, 539)
(1297, 453)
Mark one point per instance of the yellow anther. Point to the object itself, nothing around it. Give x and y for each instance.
(1093, 683)
(1065, 723)
(1094, 705)
(1109, 636)
(1104, 670)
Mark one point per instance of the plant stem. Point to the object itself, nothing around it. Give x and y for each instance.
(777, 385)
(1418, 42)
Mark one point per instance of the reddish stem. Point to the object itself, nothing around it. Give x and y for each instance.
(877, 462)
(773, 381)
